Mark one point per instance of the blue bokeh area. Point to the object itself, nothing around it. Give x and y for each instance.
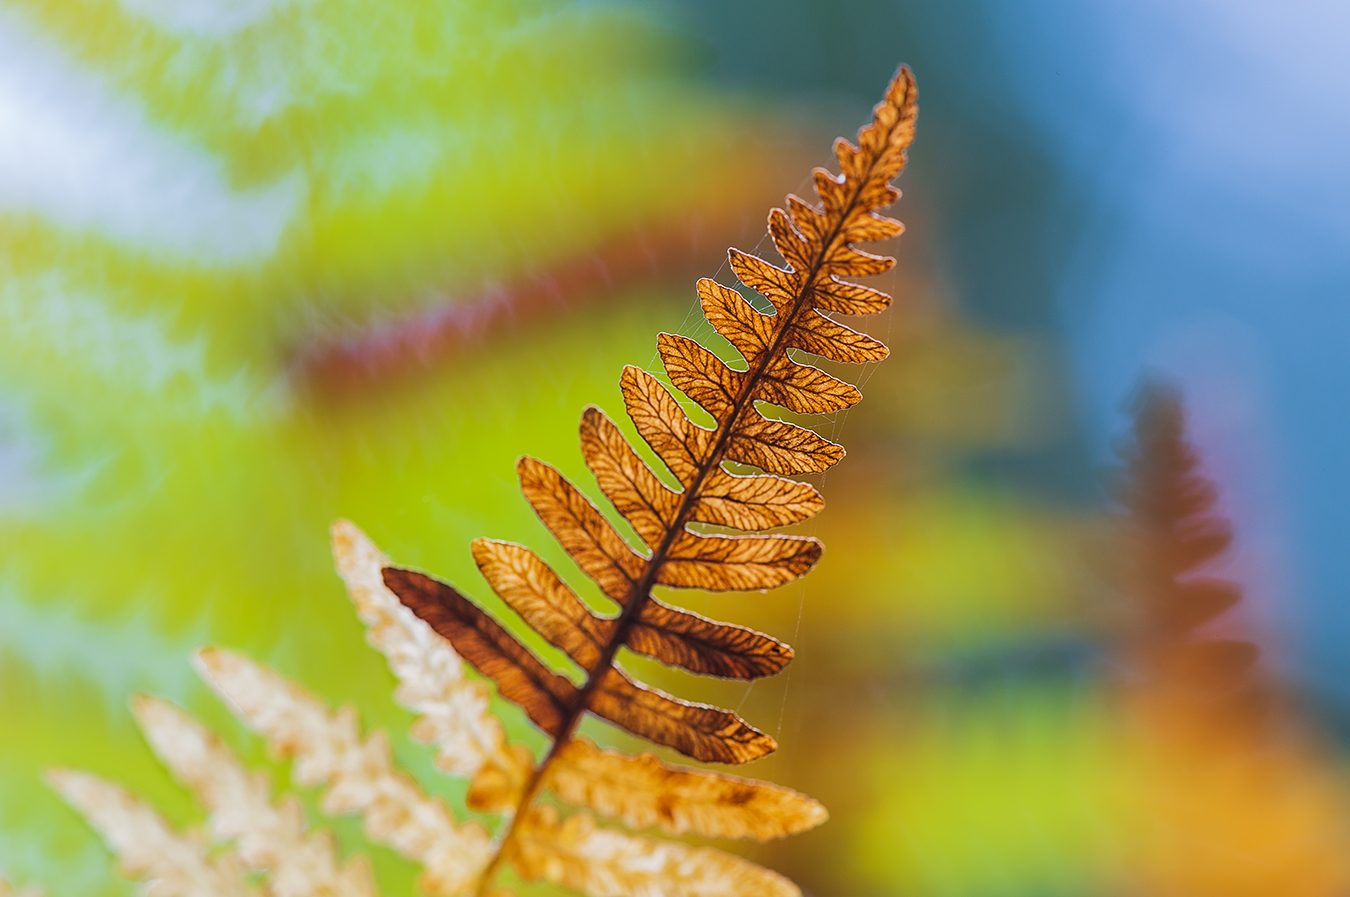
(1210, 139)
(1163, 187)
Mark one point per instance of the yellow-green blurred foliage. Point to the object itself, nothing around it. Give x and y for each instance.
(1041, 789)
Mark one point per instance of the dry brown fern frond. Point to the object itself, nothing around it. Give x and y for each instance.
(816, 241)
(1172, 533)
(245, 830)
(400, 609)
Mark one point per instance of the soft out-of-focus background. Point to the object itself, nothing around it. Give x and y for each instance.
(267, 263)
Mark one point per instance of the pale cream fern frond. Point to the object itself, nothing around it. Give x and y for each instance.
(148, 849)
(454, 713)
(259, 834)
(359, 775)
(265, 836)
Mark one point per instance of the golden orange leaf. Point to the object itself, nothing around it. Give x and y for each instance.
(737, 320)
(755, 502)
(673, 548)
(530, 588)
(663, 425)
(778, 447)
(828, 338)
(848, 298)
(578, 854)
(705, 733)
(736, 563)
(642, 792)
(804, 389)
(578, 525)
(630, 485)
(700, 645)
(700, 375)
(770, 281)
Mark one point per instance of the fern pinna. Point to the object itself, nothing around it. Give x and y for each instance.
(816, 242)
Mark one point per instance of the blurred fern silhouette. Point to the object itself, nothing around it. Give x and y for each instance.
(1233, 791)
(1171, 534)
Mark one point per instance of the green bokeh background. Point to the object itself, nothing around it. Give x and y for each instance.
(178, 477)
